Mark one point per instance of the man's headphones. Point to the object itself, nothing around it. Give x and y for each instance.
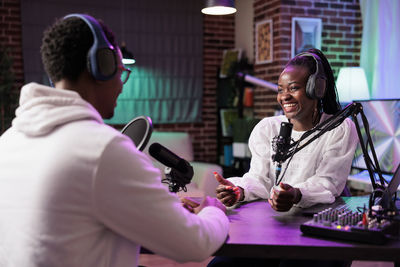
(316, 84)
(102, 56)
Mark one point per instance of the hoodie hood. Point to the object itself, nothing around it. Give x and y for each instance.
(42, 108)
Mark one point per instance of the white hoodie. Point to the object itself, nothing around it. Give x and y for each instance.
(75, 192)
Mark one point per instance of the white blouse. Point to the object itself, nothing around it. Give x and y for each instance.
(319, 170)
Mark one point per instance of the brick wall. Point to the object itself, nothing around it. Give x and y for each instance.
(10, 38)
(218, 35)
(341, 38)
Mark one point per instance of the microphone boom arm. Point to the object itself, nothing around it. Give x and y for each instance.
(353, 109)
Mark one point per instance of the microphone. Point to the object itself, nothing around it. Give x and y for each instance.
(169, 158)
(180, 172)
(281, 145)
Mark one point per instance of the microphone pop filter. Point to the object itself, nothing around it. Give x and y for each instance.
(139, 130)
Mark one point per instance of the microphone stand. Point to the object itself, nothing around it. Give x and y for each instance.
(281, 144)
(177, 180)
(353, 109)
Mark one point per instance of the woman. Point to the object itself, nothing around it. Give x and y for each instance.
(315, 174)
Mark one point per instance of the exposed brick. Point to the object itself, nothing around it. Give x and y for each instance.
(328, 12)
(297, 10)
(320, 5)
(353, 7)
(284, 10)
(11, 4)
(330, 27)
(345, 57)
(330, 56)
(353, 50)
(352, 64)
(336, 49)
(325, 20)
(10, 37)
(4, 11)
(336, 20)
(313, 11)
(353, 21)
(358, 28)
(336, 34)
(346, 13)
(337, 6)
(344, 28)
(330, 41)
(337, 64)
(345, 42)
(288, 2)
(353, 35)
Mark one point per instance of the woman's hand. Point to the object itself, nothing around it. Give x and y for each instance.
(285, 197)
(227, 192)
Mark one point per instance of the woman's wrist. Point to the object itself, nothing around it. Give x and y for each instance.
(241, 197)
(297, 196)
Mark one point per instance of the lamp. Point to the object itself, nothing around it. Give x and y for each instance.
(352, 84)
(219, 7)
(257, 82)
(127, 56)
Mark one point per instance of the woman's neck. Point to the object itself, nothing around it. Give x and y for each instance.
(302, 126)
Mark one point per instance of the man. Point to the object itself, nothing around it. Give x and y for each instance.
(76, 192)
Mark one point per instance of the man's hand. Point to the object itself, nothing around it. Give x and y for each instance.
(189, 204)
(227, 192)
(195, 207)
(284, 198)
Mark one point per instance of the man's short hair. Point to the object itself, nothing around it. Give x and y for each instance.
(65, 45)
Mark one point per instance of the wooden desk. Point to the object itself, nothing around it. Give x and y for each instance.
(256, 230)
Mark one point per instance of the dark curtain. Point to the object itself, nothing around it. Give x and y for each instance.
(165, 38)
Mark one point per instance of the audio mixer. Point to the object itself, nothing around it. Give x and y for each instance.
(353, 221)
(346, 223)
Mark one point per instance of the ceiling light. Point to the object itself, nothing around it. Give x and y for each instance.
(219, 7)
(127, 56)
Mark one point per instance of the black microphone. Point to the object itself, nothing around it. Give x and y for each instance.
(281, 143)
(168, 158)
(182, 171)
(281, 146)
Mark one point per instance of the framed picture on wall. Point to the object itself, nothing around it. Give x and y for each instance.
(264, 41)
(229, 57)
(306, 34)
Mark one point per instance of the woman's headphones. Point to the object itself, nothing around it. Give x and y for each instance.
(316, 84)
(102, 57)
